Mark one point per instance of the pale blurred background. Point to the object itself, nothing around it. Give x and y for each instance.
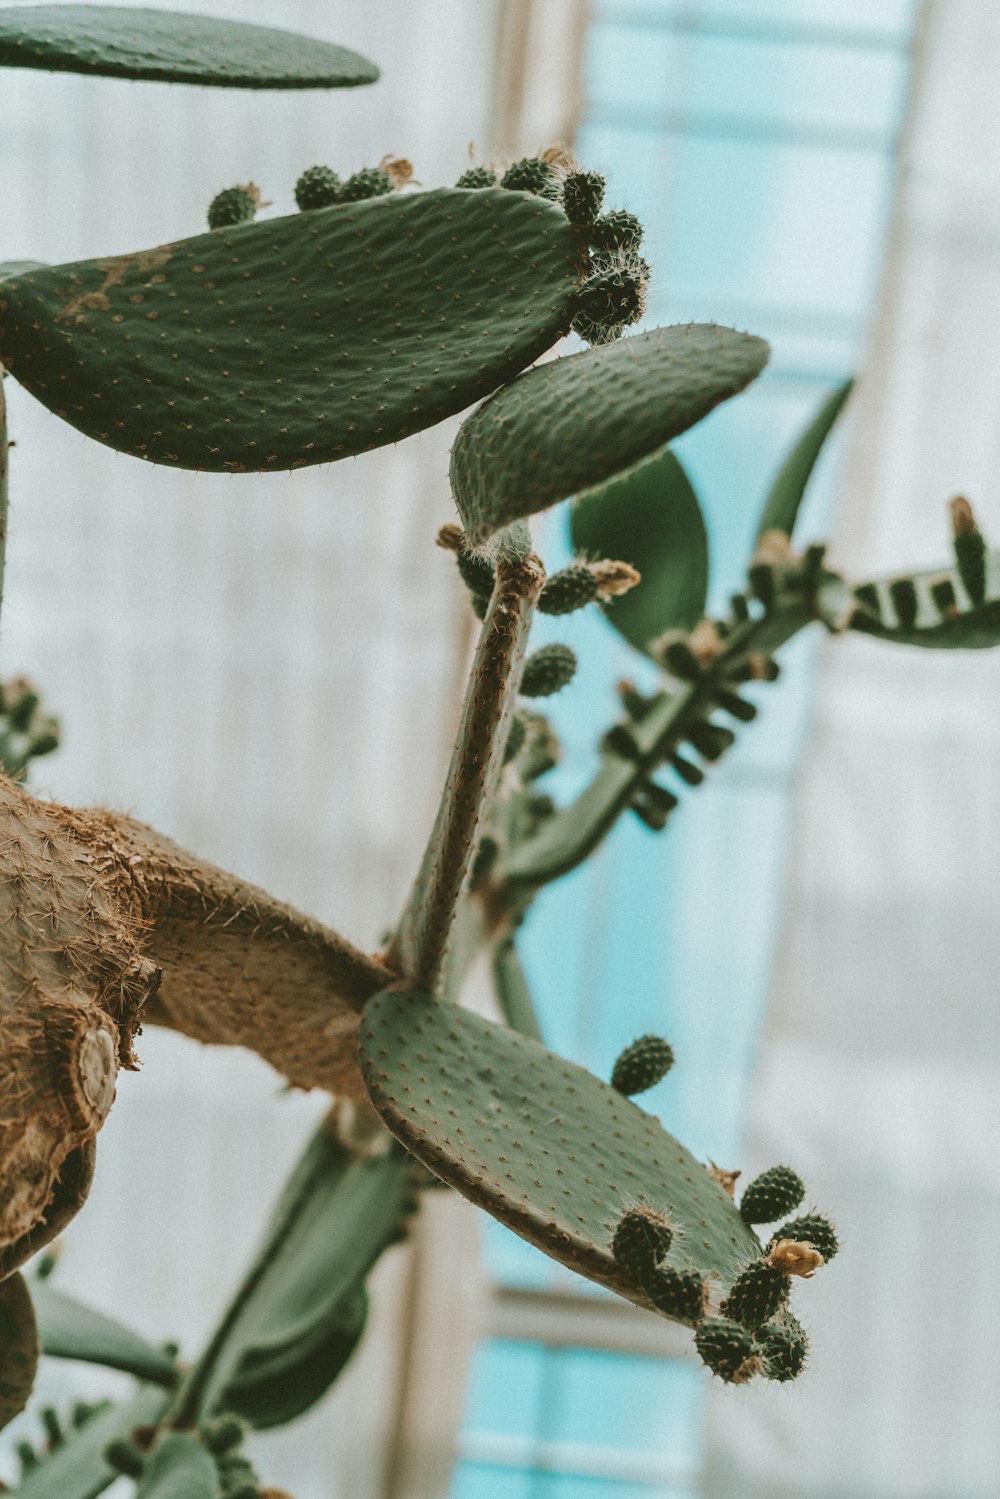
(268, 669)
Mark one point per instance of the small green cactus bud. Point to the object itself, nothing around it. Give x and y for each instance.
(619, 740)
(681, 1294)
(653, 804)
(731, 702)
(44, 743)
(711, 740)
(223, 1434)
(478, 574)
(54, 1434)
(548, 670)
(538, 807)
(568, 590)
(617, 230)
(904, 597)
(783, 1347)
(516, 738)
(531, 175)
(727, 1349)
(124, 1457)
(478, 177)
(640, 1242)
(483, 860)
(234, 205)
(867, 596)
(27, 1457)
(763, 583)
(680, 660)
(642, 1065)
(582, 196)
(757, 1294)
(318, 187)
(542, 751)
(22, 702)
(943, 594)
(692, 774)
(771, 1195)
(813, 1229)
(370, 182)
(740, 608)
(636, 704)
(970, 550)
(611, 298)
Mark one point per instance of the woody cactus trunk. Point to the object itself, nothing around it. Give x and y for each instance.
(373, 312)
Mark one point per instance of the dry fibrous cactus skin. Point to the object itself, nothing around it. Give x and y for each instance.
(105, 924)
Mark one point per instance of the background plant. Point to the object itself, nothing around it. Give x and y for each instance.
(675, 378)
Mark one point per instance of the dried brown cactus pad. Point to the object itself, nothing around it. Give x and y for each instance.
(103, 924)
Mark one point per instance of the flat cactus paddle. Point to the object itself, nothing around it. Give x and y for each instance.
(122, 42)
(296, 340)
(575, 422)
(541, 1144)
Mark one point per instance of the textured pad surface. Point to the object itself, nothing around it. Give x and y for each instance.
(120, 42)
(296, 340)
(538, 1142)
(576, 422)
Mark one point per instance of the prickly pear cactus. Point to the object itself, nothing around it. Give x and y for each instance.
(296, 340)
(543, 1145)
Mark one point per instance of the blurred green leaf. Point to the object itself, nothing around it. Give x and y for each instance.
(302, 1309)
(652, 519)
(785, 496)
(77, 1469)
(68, 1329)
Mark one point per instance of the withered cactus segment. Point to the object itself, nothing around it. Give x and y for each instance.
(105, 924)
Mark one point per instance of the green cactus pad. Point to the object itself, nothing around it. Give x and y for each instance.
(575, 422)
(296, 340)
(18, 1348)
(179, 1468)
(772, 1194)
(642, 1065)
(122, 42)
(540, 1143)
(9, 269)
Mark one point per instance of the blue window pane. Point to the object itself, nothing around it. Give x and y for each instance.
(518, 1371)
(647, 1407)
(876, 20)
(476, 1481)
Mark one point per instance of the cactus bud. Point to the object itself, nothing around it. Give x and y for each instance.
(771, 1195)
(542, 751)
(477, 177)
(124, 1457)
(619, 740)
(234, 205)
(636, 704)
(318, 187)
(478, 575)
(943, 594)
(653, 804)
(531, 175)
(370, 182)
(783, 1347)
(611, 298)
(710, 740)
(727, 1349)
(641, 1240)
(904, 597)
(618, 230)
(681, 1294)
(223, 1434)
(692, 774)
(757, 1294)
(763, 583)
(582, 196)
(730, 702)
(27, 1457)
(568, 590)
(548, 670)
(483, 860)
(642, 1065)
(516, 736)
(970, 549)
(813, 1229)
(679, 659)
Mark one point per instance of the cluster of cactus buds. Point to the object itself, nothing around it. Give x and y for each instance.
(222, 1438)
(25, 730)
(321, 186)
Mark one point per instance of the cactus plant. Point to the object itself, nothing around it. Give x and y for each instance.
(366, 316)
